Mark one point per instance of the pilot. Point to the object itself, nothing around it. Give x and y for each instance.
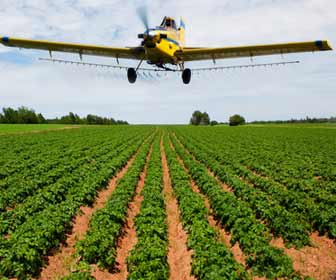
(169, 23)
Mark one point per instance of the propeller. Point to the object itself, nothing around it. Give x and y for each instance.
(150, 37)
(142, 12)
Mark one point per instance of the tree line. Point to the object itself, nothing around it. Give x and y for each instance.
(298, 121)
(199, 118)
(24, 115)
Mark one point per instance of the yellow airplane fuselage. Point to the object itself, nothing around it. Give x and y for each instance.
(162, 50)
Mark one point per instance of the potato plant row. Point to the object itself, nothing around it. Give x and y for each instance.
(148, 259)
(35, 150)
(68, 185)
(311, 212)
(237, 217)
(42, 168)
(302, 159)
(282, 222)
(287, 154)
(22, 251)
(211, 258)
(99, 245)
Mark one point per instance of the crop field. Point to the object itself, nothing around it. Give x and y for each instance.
(29, 128)
(169, 202)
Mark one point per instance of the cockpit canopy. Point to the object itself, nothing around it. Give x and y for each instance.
(168, 23)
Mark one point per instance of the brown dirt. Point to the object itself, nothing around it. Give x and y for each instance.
(61, 263)
(224, 236)
(179, 257)
(318, 261)
(128, 237)
(225, 187)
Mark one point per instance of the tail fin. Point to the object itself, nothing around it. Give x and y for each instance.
(182, 32)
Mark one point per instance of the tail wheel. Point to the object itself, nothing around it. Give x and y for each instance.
(131, 75)
(186, 76)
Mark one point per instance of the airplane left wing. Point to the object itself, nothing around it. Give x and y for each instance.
(130, 53)
(193, 54)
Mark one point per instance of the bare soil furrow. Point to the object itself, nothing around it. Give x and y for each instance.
(179, 257)
(128, 237)
(224, 236)
(61, 263)
(317, 261)
(225, 187)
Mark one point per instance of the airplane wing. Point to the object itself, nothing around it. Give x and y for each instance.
(192, 54)
(130, 53)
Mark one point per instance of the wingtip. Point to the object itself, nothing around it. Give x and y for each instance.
(326, 45)
(329, 46)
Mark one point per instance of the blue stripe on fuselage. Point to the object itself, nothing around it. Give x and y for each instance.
(172, 41)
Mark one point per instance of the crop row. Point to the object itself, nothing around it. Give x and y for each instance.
(237, 217)
(148, 259)
(22, 251)
(301, 211)
(282, 222)
(99, 245)
(67, 186)
(318, 184)
(42, 152)
(50, 168)
(211, 258)
(301, 159)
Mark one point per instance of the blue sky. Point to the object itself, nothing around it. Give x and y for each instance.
(293, 91)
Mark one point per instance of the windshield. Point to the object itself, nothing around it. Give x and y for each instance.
(168, 23)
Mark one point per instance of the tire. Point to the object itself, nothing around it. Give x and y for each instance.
(186, 76)
(131, 75)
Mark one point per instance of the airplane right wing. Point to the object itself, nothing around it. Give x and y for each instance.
(194, 54)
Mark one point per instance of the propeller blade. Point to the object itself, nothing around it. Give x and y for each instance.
(143, 15)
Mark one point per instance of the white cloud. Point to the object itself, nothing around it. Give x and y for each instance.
(293, 91)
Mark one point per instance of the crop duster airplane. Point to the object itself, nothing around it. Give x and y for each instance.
(165, 45)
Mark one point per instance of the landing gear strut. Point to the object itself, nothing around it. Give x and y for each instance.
(186, 76)
(131, 75)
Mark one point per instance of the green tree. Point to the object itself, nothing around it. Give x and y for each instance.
(236, 120)
(205, 120)
(41, 119)
(10, 115)
(199, 118)
(196, 118)
(22, 115)
(26, 116)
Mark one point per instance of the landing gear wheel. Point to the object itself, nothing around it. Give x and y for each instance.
(131, 75)
(186, 76)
